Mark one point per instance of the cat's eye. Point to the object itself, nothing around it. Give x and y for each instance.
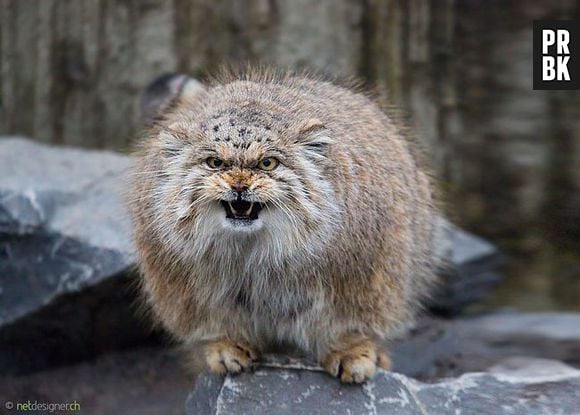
(268, 164)
(214, 162)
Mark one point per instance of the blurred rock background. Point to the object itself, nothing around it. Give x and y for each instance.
(508, 157)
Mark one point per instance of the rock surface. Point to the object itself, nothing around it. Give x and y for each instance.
(472, 268)
(64, 249)
(286, 389)
(143, 381)
(438, 348)
(61, 223)
(494, 364)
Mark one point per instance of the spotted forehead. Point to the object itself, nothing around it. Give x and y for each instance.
(239, 126)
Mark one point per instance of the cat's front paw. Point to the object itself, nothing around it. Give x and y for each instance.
(226, 356)
(357, 363)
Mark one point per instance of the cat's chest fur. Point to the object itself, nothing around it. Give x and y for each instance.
(255, 278)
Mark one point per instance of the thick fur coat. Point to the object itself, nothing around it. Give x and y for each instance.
(337, 253)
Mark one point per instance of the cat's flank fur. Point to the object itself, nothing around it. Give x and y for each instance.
(337, 258)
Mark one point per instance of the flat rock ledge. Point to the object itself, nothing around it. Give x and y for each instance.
(280, 386)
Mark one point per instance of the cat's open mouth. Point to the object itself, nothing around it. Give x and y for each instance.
(241, 209)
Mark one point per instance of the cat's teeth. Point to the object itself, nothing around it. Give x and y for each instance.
(231, 207)
(249, 209)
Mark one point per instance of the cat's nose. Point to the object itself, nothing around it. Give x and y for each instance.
(239, 187)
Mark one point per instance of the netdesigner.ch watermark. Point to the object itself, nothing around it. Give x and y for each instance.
(50, 407)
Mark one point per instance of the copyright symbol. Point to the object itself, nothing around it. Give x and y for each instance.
(9, 405)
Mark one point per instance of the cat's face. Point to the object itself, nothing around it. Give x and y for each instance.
(241, 172)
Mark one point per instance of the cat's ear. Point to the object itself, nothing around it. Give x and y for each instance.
(315, 138)
(163, 91)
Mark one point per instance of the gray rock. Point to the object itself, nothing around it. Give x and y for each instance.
(64, 247)
(438, 348)
(471, 268)
(62, 225)
(531, 360)
(282, 387)
(140, 381)
(64, 190)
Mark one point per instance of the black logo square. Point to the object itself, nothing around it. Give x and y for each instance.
(556, 54)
